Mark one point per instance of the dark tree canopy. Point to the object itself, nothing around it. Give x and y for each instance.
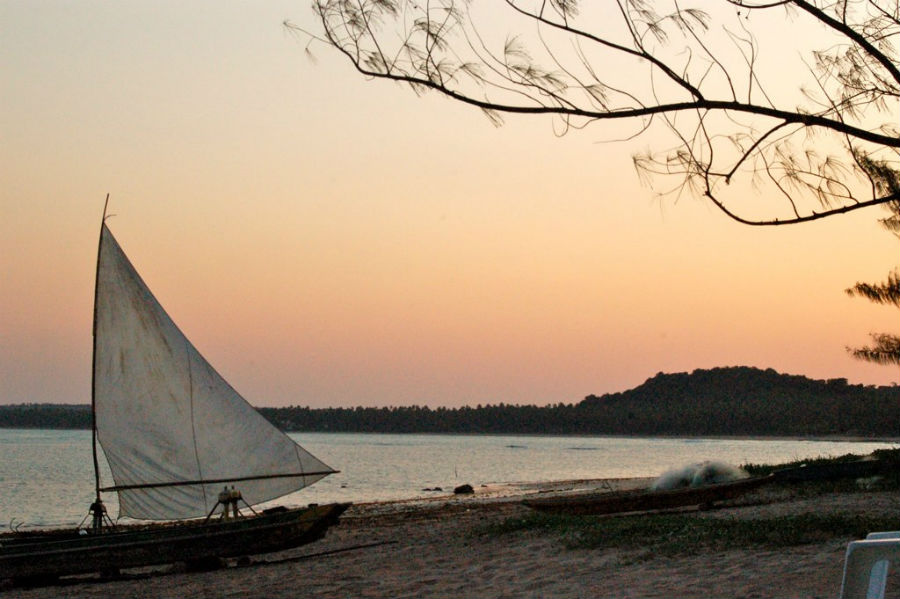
(775, 111)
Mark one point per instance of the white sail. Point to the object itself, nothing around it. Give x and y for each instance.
(164, 416)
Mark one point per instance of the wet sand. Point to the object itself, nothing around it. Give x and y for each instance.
(439, 548)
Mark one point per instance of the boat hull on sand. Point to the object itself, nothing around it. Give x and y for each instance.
(42, 557)
(643, 500)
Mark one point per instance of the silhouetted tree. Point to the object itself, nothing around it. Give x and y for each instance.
(886, 346)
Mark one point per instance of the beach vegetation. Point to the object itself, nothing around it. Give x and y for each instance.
(681, 533)
(887, 478)
(891, 456)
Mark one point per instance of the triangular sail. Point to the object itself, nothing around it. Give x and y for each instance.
(166, 420)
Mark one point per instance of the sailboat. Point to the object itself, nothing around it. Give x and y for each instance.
(182, 447)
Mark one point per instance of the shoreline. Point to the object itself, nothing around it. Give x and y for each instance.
(441, 547)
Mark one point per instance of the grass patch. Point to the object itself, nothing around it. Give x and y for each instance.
(891, 456)
(887, 480)
(673, 534)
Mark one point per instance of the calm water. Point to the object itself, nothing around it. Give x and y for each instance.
(46, 477)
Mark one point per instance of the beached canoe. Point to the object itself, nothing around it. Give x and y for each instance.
(643, 500)
(42, 557)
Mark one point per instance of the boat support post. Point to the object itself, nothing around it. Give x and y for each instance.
(99, 517)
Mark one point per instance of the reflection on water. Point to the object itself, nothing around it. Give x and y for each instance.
(47, 476)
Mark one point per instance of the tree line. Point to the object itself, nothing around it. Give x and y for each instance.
(720, 401)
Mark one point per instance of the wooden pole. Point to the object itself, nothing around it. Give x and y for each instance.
(96, 509)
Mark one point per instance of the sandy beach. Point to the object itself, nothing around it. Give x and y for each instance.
(440, 548)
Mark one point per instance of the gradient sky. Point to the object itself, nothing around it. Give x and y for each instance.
(330, 241)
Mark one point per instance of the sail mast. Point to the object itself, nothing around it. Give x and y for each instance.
(94, 361)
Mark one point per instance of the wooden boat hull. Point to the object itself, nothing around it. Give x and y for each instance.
(50, 555)
(644, 500)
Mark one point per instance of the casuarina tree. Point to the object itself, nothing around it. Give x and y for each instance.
(775, 111)
(791, 100)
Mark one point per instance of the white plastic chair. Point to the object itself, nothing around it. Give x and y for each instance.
(866, 565)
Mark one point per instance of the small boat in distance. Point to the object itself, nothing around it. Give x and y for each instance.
(181, 444)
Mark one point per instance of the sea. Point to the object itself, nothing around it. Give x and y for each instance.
(47, 479)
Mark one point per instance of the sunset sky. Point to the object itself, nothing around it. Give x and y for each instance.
(330, 241)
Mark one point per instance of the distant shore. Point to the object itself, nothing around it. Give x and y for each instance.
(440, 547)
(718, 403)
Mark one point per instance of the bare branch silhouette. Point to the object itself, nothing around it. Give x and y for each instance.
(786, 117)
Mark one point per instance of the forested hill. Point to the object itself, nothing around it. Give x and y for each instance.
(720, 401)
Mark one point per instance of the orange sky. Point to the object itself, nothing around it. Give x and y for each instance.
(329, 241)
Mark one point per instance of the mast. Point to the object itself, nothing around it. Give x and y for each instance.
(97, 508)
